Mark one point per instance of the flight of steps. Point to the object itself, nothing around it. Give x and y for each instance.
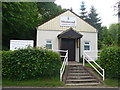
(78, 75)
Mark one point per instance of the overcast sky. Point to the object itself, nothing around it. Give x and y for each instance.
(104, 8)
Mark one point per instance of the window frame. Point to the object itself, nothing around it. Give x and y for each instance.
(87, 45)
(46, 43)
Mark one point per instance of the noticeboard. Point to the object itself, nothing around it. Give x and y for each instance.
(20, 44)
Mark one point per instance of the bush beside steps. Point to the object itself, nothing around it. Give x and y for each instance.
(24, 64)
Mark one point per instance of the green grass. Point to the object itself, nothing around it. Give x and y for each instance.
(107, 82)
(49, 82)
(111, 82)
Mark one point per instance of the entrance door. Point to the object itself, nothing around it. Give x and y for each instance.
(69, 44)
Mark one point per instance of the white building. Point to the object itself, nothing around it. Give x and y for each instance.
(68, 31)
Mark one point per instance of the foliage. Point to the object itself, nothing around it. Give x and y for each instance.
(110, 61)
(110, 36)
(48, 10)
(83, 11)
(93, 18)
(30, 63)
(118, 35)
(117, 8)
(106, 37)
(113, 30)
(19, 20)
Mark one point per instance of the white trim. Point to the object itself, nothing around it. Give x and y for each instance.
(86, 45)
(66, 29)
(49, 43)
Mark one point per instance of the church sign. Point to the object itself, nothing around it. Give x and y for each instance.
(68, 21)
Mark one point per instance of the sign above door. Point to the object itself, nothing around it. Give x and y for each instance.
(68, 21)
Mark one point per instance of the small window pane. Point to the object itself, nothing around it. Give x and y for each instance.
(86, 42)
(49, 42)
(86, 47)
(49, 46)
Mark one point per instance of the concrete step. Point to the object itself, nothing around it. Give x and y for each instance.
(75, 66)
(78, 74)
(79, 77)
(76, 71)
(80, 80)
(83, 84)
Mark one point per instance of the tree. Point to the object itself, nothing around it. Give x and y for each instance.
(111, 36)
(93, 19)
(119, 34)
(48, 10)
(83, 13)
(114, 33)
(19, 20)
(117, 10)
(106, 38)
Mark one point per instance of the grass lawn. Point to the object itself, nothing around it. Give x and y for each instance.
(49, 82)
(111, 82)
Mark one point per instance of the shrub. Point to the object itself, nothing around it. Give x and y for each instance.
(29, 63)
(110, 61)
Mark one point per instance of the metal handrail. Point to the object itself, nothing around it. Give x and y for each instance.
(65, 62)
(86, 57)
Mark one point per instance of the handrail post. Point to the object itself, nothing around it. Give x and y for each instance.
(83, 59)
(60, 75)
(103, 74)
(67, 57)
(65, 62)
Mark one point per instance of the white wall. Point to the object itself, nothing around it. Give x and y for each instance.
(43, 35)
(92, 38)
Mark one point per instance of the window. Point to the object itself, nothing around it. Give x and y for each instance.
(48, 44)
(86, 45)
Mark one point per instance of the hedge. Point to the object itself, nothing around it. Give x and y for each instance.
(29, 63)
(110, 61)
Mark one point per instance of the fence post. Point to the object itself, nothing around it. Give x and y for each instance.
(83, 59)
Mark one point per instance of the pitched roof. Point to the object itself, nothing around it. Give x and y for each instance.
(53, 24)
(70, 33)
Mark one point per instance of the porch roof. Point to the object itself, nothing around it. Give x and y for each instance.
(70, 33)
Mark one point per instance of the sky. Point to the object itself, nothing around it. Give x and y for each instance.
(104, 8)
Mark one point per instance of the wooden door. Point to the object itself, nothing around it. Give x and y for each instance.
(69, 44)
